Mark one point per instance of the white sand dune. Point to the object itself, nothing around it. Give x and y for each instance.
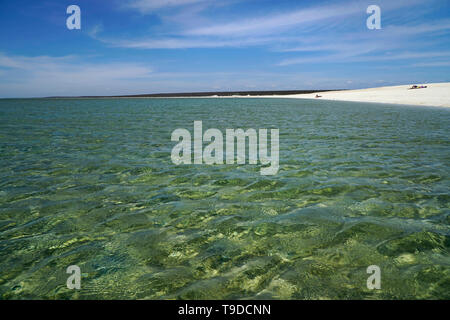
(436, 94)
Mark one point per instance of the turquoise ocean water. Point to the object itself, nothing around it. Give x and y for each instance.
(90, 182)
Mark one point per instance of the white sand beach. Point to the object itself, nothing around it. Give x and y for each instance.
(436, 94)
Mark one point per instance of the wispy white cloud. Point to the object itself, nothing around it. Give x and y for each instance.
(146, 6)
(70, 68)
(45, 75)
(432, 64)
(383, 45)
(309, 23)
(322, 15)
(352, 57)
(187, 43)
(95, 30)
(274, 23)
(23, 62)
(434, 26)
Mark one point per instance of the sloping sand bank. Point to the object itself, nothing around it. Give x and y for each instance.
(436, 94)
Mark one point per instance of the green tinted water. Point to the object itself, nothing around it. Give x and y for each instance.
(91, 183)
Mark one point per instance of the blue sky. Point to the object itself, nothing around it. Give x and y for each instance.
(150, 46)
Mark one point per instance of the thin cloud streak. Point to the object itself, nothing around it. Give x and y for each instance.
(352, 58)
(433, 64)
(190, 43)
(146, 6)
(185, 43)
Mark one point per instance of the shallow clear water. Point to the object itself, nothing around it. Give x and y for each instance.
(91, 183)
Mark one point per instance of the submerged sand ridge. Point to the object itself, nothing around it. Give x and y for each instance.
(436, 94)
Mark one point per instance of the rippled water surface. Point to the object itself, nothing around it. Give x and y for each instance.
(91, 183)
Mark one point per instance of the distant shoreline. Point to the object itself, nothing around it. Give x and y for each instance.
(199, 94)
(432, 94)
